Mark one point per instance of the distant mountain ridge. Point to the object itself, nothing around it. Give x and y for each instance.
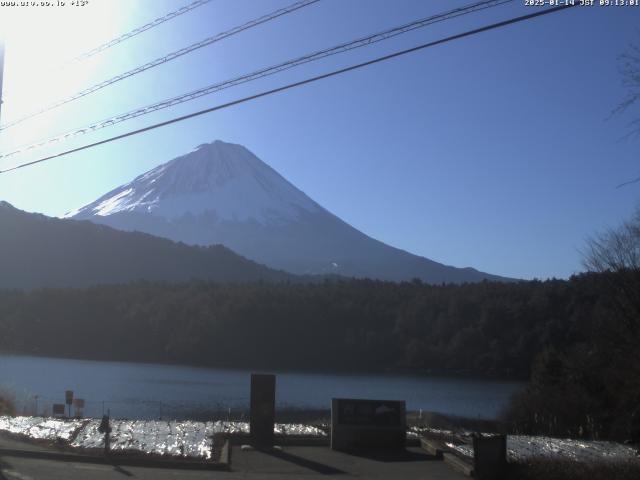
(221, 193)
(38, 251)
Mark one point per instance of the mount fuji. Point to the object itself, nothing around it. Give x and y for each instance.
(221, 193)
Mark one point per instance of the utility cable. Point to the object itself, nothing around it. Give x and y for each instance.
(344, 47)
(164, 59)
(333, 73)
(143, 28)
(132, 33)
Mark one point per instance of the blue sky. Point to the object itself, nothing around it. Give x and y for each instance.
(496, 151)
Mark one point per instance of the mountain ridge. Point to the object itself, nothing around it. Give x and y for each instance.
(37, 251)
(221, 193)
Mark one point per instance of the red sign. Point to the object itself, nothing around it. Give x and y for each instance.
(78, 402)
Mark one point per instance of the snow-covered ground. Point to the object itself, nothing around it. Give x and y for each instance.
(186, 439)
(190, 439)
(182, 439)
(523, 447)
(40, 428)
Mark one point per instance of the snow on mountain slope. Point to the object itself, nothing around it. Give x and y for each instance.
(223, 194)
(220, 178)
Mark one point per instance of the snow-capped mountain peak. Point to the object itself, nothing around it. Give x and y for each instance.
(221, 179)
(221, 193)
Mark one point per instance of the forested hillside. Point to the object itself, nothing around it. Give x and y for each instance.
(571, 338)
(39, 251)
(486, 329)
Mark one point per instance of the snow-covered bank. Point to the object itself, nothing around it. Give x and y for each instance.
(521, 448)
(180, 439)
(185, 439)
(40, 428)
(524, 447)
(189, 439)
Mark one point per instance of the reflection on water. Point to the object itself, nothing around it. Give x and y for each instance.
(140, 390)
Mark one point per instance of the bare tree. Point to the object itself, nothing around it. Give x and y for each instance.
(630, 72)
(616, 252)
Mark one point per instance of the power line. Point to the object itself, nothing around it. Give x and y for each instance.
(344, 47)
(629, 182)
(165, 58)
(143, 28)
(333, 73)
(132, 33)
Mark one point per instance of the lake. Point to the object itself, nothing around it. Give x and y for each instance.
(142, 390)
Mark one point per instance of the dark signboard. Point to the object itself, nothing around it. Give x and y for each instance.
(489, 456)
(58, 408)
(263, 409)
(362, 424)
(370, 412)
(68, 397)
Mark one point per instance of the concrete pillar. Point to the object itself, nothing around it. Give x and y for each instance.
(489, 456)
(263, 409)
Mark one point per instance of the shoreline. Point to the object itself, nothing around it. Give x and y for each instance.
(389, 371)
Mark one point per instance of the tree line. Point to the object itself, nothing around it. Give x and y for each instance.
(484, 329)
(567, 336)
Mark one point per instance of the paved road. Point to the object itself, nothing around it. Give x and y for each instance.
(320, 462)
(35, 469)
(292, 462)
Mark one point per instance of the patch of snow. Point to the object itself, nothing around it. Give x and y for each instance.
(40, 428)
(520, 447)
(181, 439)
(113, 204)
(524, 447)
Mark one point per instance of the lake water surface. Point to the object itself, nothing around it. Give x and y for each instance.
(141, 390)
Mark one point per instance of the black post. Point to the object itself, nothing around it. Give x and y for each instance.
(489, 456)
(68, 400)
(262, 414)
